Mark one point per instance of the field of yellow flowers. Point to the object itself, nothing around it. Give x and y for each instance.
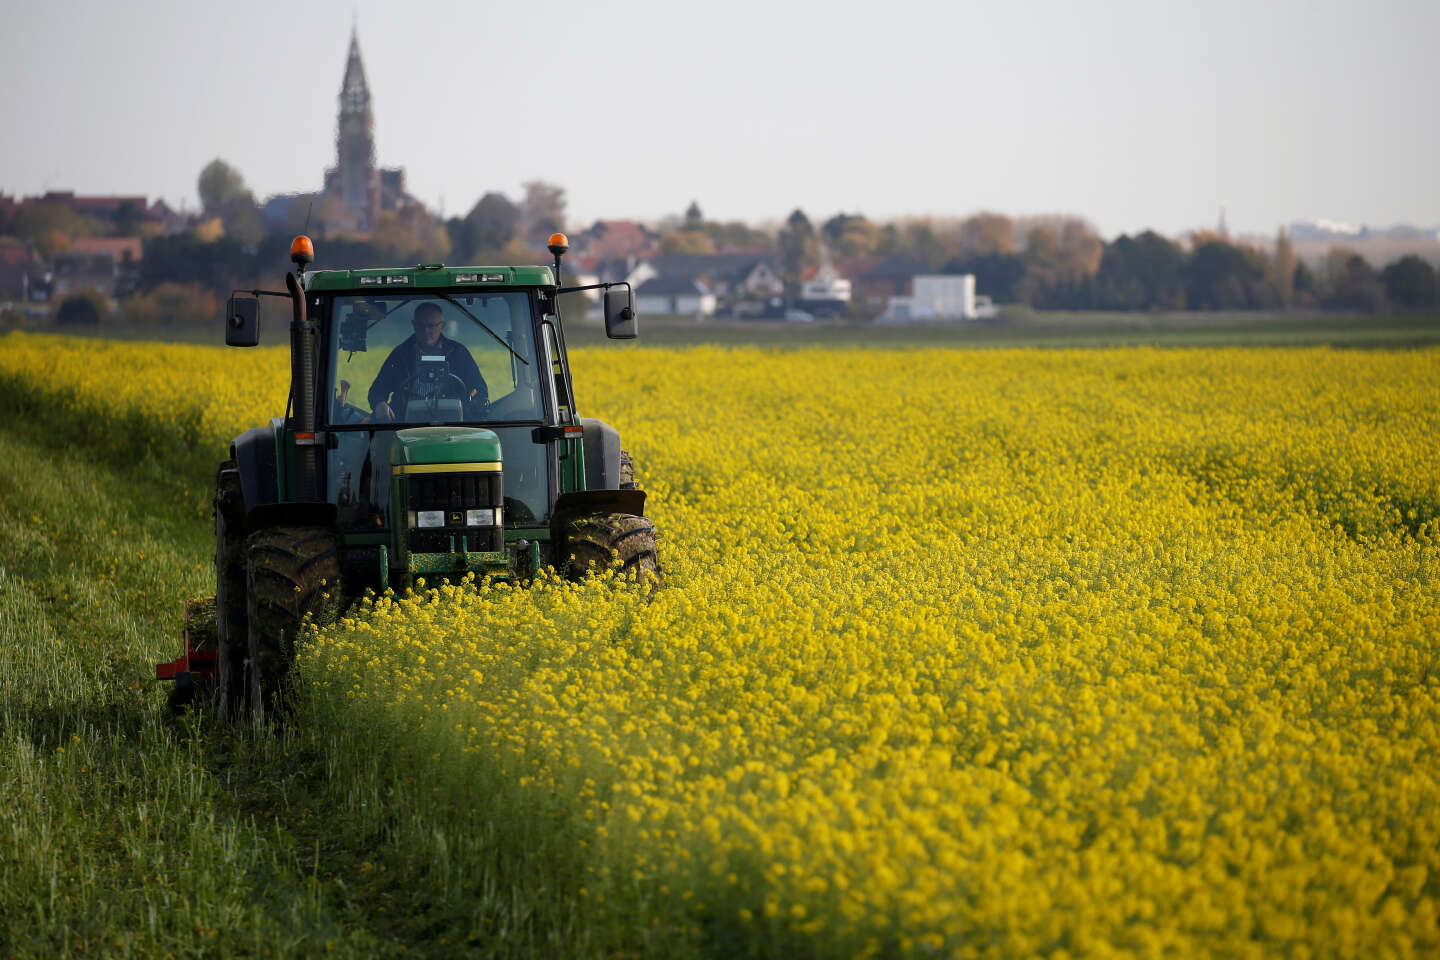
(970, 653)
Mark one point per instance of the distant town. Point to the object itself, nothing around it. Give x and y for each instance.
(70, 259)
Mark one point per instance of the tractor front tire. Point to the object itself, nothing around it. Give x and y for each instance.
(595, 541)
(292, 579)
(231, 630)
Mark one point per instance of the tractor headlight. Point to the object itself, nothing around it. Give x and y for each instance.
(430, 518)
(485, 517)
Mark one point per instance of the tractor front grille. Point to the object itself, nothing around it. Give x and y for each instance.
(452, 495)
(455, 491)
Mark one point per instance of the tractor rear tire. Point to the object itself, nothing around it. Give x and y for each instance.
(595, 541)
(231, 630)
(292, 580)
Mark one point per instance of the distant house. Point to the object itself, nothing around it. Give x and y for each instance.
(674, 295)
(123, 249)
(728, 275)
(73, 272)
(632, 270)
(16, 262)
(126, 253)
(823, 292)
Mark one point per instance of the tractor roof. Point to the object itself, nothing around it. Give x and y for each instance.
(428, 276)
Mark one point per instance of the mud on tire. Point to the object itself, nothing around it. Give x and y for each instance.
(292, 578)
(627, 472)
(594, 541)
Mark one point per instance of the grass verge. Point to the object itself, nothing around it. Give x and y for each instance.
(124, 833)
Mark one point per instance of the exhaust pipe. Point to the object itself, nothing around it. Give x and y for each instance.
(302, 353)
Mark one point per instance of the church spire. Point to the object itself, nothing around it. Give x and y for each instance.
(354, 91)
(357, 179)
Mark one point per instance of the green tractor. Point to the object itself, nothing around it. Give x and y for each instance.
(431, 433)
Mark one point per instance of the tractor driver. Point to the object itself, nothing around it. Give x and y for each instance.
(401, 368)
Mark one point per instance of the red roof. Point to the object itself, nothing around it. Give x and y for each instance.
(91, 205)
(618, 238)
(107, 204)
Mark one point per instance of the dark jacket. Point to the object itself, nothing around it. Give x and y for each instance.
(404, 361)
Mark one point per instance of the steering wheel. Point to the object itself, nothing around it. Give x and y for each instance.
(450, 386)
(442, 387)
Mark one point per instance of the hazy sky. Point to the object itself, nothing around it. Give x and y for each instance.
(1132, 114)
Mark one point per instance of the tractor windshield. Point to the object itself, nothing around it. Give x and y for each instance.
(404, 360)
(434, 358)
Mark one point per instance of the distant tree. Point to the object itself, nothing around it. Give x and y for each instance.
(1350, 282)
(797, 244)
(242, 221)
(127, 219)
(488, 227)
(51, 226)
(1141, 273)
(1410, 282)
(1081, 248)
(86, 308)
(1061, 257)
(223, 264)
(412, 235)
(208, 230)
(997, 275)
(1223, 276)
(851, 235)
(738, 236)
(687, 241)
(1304, 285)
(986, 233)
(1282, 268)
(223, 194)
(694, 219)
(889, 241)
(919, 237)
(542, 212)
(833, 230)
(1041, 281)
(52, 242)
(219, 185)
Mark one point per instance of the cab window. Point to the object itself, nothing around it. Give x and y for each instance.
(426, 359)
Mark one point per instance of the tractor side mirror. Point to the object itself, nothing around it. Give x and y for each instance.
(242, 321)
(620, 321)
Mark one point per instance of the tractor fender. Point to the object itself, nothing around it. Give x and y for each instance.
(602, 454)
(569, 506)
(254, 455)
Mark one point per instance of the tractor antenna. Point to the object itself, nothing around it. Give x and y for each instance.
(310, 205)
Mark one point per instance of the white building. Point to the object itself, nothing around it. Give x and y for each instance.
(826, 295)
(934, 297)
